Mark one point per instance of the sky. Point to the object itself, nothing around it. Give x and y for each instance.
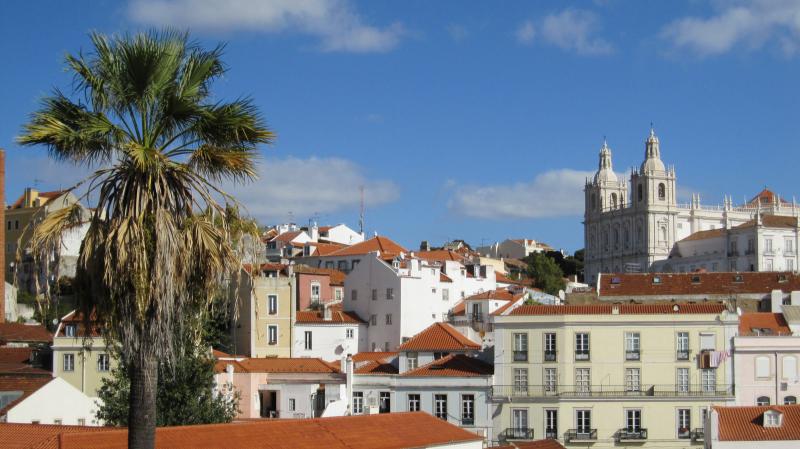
(465, 120)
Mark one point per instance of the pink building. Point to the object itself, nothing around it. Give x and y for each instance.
(317, 285)
(766, 354)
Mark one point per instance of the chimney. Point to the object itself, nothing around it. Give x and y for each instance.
(327, 313)
(776, 301)
(3, 235)
(795, 298)
(349, 381)
(229, 372)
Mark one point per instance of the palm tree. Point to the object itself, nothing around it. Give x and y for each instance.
(142, 118)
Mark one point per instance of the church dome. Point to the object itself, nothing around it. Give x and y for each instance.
(652, 154)
(605, 171)
(652, 164)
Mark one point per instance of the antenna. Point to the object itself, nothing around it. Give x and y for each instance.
(361, 215)
(36, 182)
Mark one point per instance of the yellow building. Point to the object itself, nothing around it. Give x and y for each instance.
(266, 306)
(83, 362)
(625, 375)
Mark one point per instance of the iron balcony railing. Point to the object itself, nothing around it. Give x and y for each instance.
(520, 356)
(699, 434)
(682, 354)
(573, 435)
(551, 434)
(684, 433)
(581, 355)
(632, 355)
(631, 434)
(513, 433)
(500, 392)
(549, 356)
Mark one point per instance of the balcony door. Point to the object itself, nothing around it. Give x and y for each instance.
(583, 422)
(519, 423)
(633, 421)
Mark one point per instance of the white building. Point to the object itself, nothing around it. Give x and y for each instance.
(45, 400)
(402, 296)
(341, 234)
(637, 231)
(768, 427)
(329, 334)
(513, 249)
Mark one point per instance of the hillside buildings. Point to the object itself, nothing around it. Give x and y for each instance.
(80, 356)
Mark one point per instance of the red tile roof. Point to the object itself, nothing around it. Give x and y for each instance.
(460, 308)
(501, 294)
(26, 384)
(772, 221)
(382, 431)
(386, 246)
(624, 309)
(746, 423)
(439, 337)
(371, 356)
(707, 234)
(539, 444)
(376, 368)
(324, 249)
(17, 361)
(765, 197)
(336, 277)
(38, 436)
(285, 365)
(15, 355)
(287, 237)
(763, 323)
(453, 365)
(444, 278)
(441, 255)
(24, 333)
(46, 195)
(337, 317)
(698, 284)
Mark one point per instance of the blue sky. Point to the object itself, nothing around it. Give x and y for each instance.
(462, 119)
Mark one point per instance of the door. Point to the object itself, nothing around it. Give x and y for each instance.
(583, 421)
(519, 423)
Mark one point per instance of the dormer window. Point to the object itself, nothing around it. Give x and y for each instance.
(782, 278)
(738, 278)
(616, 280)
(69, 330)
(773, 418)
(656, 279)
(695, 279)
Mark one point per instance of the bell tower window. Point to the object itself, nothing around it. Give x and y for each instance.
(640, 192)
(613, 200)
(662, 192)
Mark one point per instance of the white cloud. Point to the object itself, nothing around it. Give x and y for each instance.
(555, 193)
(748, 24)
(575, 30)
(526, 32)
(338, 26)
(457, 32)
(308, 186)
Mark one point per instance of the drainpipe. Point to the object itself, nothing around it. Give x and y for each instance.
(776, 378)
(349, 382)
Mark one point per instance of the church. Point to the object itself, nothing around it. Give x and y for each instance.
(647, 230)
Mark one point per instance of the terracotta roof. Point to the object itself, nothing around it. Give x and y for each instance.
(286, 365)
(323, 229)
(453, 365)
(46, 195)
(507, 306)
(501, 294)
(765, 197)
(376, 368)
(539, 444)
(15, 355)
(707, 234)
(763, 323)
(382, 431)
(459, 309)
(444, 278)
(336, 277)
(371, 356)
(287, 237)
(17, 361)
(26, 384)
(440, 255)
(337, 317)
(27, 333)
(624, 309)
(439, 337)
(643, 284)
(76, 318)
(278, 267)
(772, 221)
(386, 246)
(324, 249)
(746, 423)
(38, 436)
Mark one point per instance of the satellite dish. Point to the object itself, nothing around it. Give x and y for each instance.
(55, 321)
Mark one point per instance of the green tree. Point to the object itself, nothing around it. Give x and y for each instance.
(143, 117)
(546, 273)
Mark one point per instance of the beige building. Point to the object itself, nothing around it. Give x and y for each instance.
(611, 375)
(266, 310)
(79, 358)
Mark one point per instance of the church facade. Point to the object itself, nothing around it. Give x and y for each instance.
(637, 225)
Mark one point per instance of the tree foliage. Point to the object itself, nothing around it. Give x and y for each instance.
(546, 273)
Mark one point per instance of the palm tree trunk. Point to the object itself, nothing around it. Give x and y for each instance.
(142, 410)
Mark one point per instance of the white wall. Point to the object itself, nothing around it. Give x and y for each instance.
(56, 400)
(329, 340)
(344, 235)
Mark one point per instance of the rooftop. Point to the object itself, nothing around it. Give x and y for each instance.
(763, 323)
(501, 294)
(439, 337)
(746, 423)
(623, 309)
(453, 365)
(724, 283)
(27, 385)
(385, 245)
(337, 317)
(26, 333)
(278, 365)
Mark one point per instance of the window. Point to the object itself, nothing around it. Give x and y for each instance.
(374, 346)
(762, 367)
(768, 245)
(788, 246)
(81, 421)
(789, 370)
(551, 423)
(57, 421)
(684, 423)
(385, 402)
(707, 342)
(519, 422)
(583, 380)
(412, 360)
(389, 293)
(374, 294)
(329, 264)
(633, 379)
(790, 400)
(272, 334)
(385, 346)
(291, 405)
(102, 363)
(633, 420)
(640, 192)
(583, 421)
(413, 402)
(467, 409)
(354, 264)
(338, 294)
(550, 347)
(662, 192)
(520, 347)
(315, 289)
(550, 382)
(768, 265)
(440, 406)
(349, 333)
(354, 295)
(358, 402)
(16, 224)
(70, 330)
(439, 355)
(708, 380)
(521, 380)
(582, 346)
(682, 380)
(69, 362)
(762, 400)
(388, 319)
(632, 340)
(773, 419)
(682, 346)
(373, 320)
(445, 294)
(342, 266)
(789, 264)
(308, 341)
(273, 304)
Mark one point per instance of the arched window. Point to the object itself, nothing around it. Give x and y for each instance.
(790, 400)
(789, 370)
(762, 400)
(762, 367)
(663, 233)
(616, 237)
(662, 192)
(613, 200)
(594, 202)
(626, 236)
(639, 238)
(605, 239)
(640, 192)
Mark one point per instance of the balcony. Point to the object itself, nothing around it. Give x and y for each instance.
(549, 356)
(517, 392)
(684, 433)
(580, 435)
(682, 354)
(582, 355)
(468, 422)
(516, 434)
(699, 434)
(476, 317)
(631, 435)
(551, 434)
(632, 355)
(520, 356)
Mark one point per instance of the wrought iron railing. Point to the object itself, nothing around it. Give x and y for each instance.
(581, 355)
(609, 391)
(631, 434)
(632, 355)
(513, 433)
(682, 354)
(549, 356)
(580, 435)
(699, 434)
(520, 356)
